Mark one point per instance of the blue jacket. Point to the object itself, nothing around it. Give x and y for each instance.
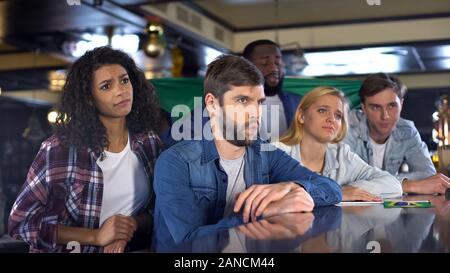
(190, 187)
(404, 145)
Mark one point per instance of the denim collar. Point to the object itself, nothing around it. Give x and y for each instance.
(331, 160)
(210, 153)
(363, 128)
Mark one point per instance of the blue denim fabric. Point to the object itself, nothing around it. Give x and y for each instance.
(404, 145)
(190, 187)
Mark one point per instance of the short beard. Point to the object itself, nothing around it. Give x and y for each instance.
(235, 141)
(273, 90)
(241, 143)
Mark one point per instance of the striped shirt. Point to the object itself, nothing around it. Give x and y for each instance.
(64, 186)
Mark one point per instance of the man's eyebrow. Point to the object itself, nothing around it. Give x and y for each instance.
(268, 56)
(389, 103)
(241, 97)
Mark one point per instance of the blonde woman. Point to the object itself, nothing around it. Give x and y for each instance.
(314, 140)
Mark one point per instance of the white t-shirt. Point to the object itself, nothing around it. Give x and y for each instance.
(276, 117)
(125, 185)
(236, 184)
(378, 153)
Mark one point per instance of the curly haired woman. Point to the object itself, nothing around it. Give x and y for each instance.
(91, 182)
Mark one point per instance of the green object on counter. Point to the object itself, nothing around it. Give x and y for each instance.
(407, 204)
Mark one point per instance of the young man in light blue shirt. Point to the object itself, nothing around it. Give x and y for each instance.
(383, 139)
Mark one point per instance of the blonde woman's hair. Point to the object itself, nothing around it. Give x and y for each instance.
(294, 134)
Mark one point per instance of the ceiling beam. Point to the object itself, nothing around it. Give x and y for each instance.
(419, 81)
(353, 35)
(193, 24)
(40, 96)
(29, 60)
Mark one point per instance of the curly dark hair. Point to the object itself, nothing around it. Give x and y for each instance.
(78, 123)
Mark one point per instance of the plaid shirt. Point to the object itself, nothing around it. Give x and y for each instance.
(65, 186)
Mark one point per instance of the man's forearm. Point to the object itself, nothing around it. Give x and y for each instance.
(409, 186)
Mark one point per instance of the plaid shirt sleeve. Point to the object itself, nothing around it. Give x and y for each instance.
(29, 219)
(152, 148)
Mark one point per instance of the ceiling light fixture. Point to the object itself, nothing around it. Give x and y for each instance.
(155, 44)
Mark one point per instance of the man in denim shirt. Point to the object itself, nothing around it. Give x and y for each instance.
(230, 173)
(384, 140)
